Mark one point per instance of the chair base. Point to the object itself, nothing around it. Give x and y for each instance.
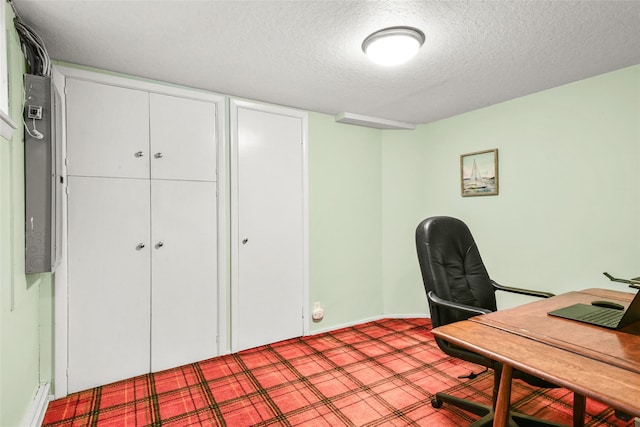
(516, 419)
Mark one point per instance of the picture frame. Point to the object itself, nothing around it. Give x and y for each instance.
(479, 173)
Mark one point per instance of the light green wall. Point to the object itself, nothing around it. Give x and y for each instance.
(21, 300)
(405, 192)
(345, 222)
(569, 200)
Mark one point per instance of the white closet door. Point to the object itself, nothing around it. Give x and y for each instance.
(107, 130)
(270, 280)
(109, 283)
(184, 273)
(183, 138)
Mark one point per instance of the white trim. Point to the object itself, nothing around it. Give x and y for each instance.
(348, 324)
(235, 240)
(60, 278)
(221, 182)
(234, 105)
(306, 312)
(132, 82)
(407, 316)
(38, 407)
(369, 319)
(60, 75)
(7, 126)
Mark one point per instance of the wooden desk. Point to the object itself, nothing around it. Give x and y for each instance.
(595, 362)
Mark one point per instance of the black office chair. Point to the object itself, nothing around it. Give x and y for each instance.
(458, 287)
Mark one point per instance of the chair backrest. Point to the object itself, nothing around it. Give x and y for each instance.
(452, 268)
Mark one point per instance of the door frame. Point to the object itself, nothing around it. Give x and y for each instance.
(234, 105)
(59, 76)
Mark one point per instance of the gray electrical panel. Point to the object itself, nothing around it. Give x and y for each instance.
(43, 185)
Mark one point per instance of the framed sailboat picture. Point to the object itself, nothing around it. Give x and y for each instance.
(479, 173)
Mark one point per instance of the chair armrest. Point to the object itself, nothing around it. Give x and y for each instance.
(529, 292)
(633, 283)
(455, 305)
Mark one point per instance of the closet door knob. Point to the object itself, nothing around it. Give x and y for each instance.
(139, 154)
(244, 241)
(158, 155)
(159, 245)
(140, 246)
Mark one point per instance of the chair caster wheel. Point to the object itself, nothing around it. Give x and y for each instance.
(436, 403)
(623, 416)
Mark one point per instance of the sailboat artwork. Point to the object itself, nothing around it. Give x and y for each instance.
(475, 181)
(479, 173)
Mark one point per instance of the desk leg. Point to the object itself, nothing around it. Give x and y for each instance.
(503, 402)
(579, 407)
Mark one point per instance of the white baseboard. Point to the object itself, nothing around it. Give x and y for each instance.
(370, 319)
(407, 316)
(38, 407)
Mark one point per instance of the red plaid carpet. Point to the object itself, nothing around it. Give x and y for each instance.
(380, 373)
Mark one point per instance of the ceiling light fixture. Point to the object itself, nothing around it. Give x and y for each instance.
(393, 46)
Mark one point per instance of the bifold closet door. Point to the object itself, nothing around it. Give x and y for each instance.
(184, 320)
(109, 280)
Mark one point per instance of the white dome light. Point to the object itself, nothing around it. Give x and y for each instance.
(393, 46)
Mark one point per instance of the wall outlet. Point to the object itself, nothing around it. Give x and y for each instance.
(318, 312)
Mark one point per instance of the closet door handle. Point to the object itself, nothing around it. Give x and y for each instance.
(244, 241)
(139, 154)
(159, 245)
(140, 246)
(158, 155)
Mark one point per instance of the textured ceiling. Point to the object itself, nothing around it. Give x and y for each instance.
(307, 54)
